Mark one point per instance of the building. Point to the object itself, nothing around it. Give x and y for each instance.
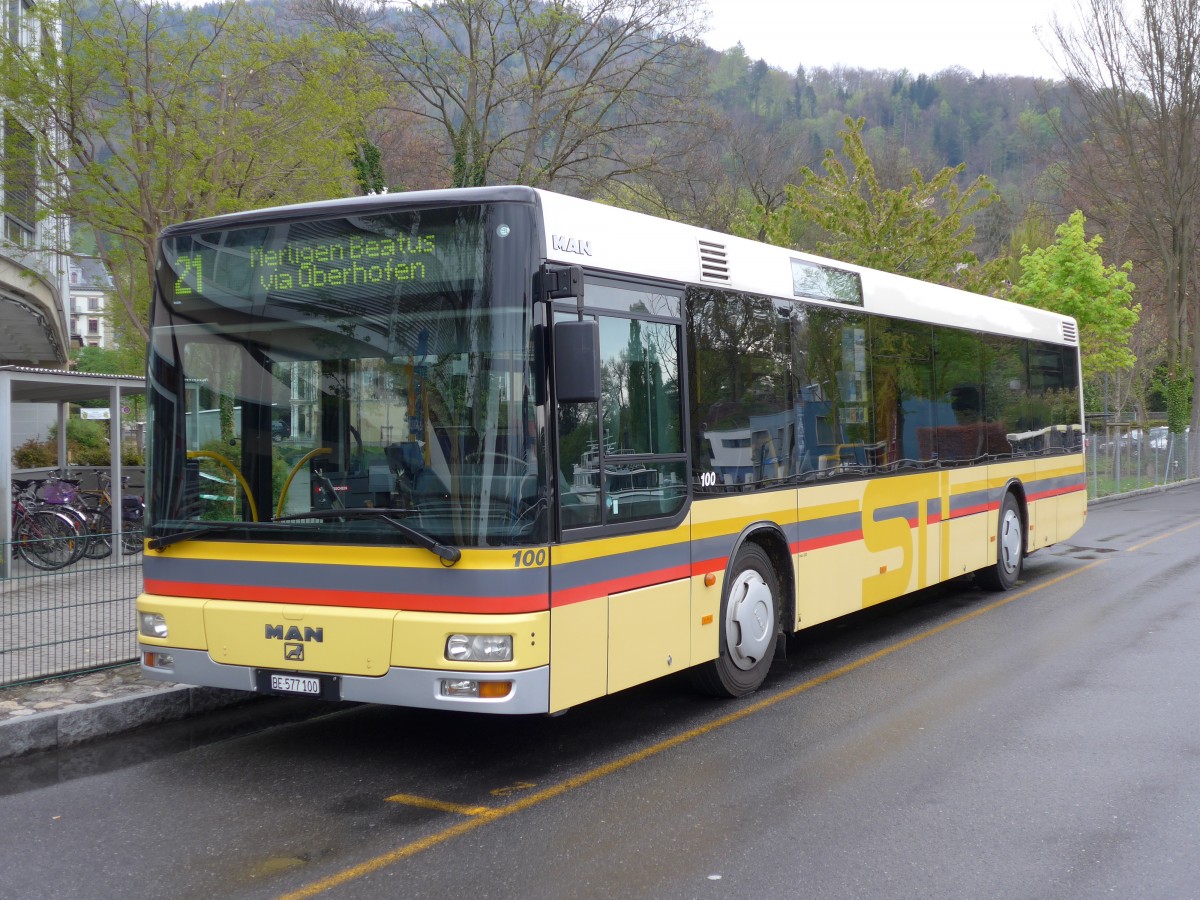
(33, 274)
(87, 310)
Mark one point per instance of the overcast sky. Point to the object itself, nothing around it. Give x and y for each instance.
(923, 36)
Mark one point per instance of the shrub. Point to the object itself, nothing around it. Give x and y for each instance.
(34, 454)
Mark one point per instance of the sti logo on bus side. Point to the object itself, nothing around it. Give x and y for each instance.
(571, 245)
(276, 632)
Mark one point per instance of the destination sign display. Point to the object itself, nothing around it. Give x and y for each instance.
(352, 262)
(380, 253)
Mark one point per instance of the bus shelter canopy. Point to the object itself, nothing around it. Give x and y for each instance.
(19, 384)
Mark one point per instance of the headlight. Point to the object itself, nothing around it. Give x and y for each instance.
(479, 647)
(152, 624)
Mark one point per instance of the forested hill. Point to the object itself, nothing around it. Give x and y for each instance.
(996, 125)
(763, 125)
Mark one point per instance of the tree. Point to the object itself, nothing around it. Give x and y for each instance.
(152, 114)
(1137, 81)
(539, 92)
(919, 230)
(366, 161)
(1069, 277)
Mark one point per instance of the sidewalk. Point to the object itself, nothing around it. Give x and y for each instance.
(54, 714)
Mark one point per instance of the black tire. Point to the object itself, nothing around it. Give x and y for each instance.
(79, 522)
(132, 532)
(47, 540)
(99, 544)
(749, 627)
(1010, 549)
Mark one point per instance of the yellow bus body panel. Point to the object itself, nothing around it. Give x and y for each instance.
(184, 617)
(578, 653)
(419, 639)
(330, 639)
(648, 633)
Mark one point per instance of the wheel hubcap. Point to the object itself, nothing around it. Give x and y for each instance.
(1010, 541)
(749, 622)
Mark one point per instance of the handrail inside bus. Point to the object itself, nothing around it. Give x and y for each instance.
(210, 454)
(311, 454)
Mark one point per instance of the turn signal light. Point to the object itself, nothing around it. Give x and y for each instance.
(154, 660)
(465, 687)
(495, 689)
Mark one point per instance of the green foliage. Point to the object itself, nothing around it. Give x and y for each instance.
(920, 230)
(35, 454)
(157, 114)
(86, 434)
(368, 167)
(124, 360)
(1070, 277)
(1179, 399)
(87, 445)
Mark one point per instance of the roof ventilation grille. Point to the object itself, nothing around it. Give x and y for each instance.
(1070, 333)
(714, 263)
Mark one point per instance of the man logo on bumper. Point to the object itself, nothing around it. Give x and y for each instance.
(293, 633)
(293, 652)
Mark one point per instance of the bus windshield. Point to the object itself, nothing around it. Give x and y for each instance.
(359, 379)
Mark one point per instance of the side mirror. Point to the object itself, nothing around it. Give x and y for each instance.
(577, 361)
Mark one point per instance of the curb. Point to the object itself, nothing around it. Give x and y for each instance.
(56, 729)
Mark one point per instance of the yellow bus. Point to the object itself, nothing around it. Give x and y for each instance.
(506, 451)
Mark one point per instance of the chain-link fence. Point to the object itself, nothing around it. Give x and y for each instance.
(1121, 459)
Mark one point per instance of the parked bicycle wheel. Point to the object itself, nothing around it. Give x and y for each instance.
(132, 531)
(99, 544)
(47, 539)
(79, 522)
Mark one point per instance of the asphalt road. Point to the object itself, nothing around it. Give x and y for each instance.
(1040, 743)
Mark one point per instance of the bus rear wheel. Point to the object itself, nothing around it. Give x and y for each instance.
(749, 627)
(1010, 549)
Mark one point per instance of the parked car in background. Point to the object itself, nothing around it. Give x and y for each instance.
(1160, 437)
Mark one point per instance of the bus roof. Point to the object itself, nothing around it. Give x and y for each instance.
(580, 232)
(594, 235)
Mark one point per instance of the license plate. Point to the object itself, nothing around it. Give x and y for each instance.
(294, 684)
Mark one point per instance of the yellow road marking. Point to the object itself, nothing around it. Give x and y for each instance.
(439, 805)
(1160, 537)
(488, 816)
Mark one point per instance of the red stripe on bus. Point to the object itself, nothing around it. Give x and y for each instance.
(973, 510)
(350, 599)
(567, 596)
(828, 540)
(1058, 492)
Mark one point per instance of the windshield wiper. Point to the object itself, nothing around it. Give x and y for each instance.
(201, 529)
(392, 517)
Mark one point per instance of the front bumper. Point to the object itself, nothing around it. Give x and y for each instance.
(419, 688)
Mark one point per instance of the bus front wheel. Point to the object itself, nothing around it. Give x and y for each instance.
(749, 627)
(1010, 549)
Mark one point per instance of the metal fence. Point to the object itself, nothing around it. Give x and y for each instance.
(73, 619)
(1121, 459)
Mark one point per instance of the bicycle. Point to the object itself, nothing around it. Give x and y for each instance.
(44, 537)
(98, 506)
(63, 495)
